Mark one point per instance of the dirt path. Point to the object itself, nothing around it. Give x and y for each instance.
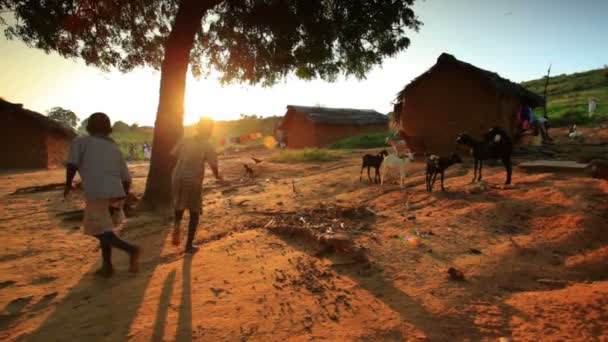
(534, 257)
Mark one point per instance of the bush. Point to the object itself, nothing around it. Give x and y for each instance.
(305, 155)
(370, 140)
(571, 117)
(120, 126)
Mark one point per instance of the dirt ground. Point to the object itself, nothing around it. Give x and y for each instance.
(534, 257)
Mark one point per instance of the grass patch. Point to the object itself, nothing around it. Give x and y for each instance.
(136, 137)
(306, 155)
(369, 140)
(568, 95)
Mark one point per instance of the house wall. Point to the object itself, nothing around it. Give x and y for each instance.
(301, 132)
(329, 134)
(58, 147)
(450, 101)
(22, 145)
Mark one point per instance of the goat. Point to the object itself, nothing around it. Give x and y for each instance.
(392, 162)
(496, 145)
(435, 165)
(370, 160)
(398, 145)
(248, 171)
(573, 133)
(598, 168)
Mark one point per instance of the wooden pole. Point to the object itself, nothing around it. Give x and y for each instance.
(545, 93)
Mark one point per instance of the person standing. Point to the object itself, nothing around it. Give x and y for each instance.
(147, 151)
(187, 181)
(131, 152)
(106, 182)
(592, 107)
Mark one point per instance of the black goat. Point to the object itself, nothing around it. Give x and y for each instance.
(370, 160)
(496, 145)
(435, 165)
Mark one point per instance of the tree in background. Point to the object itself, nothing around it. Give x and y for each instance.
(120, 127)
(82, 128)
(63, 115)
(258, 42)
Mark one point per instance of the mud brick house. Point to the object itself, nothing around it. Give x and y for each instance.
(30, 140)
(454, 97)
(321, 126)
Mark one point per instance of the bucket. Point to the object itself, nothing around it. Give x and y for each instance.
(537, 140)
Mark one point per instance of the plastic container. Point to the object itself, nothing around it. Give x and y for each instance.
(414, 241)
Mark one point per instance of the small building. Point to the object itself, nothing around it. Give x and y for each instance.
(30, 140)
(454, 97)
(319, 126)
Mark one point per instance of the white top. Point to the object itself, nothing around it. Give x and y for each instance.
(101, 166)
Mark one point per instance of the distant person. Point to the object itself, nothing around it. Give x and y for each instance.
(106, 181)
(188, 174)
(528, 120)
(592, 107)
(147, 151)
(132, 152)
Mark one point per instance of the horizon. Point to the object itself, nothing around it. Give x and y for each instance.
(518, 40)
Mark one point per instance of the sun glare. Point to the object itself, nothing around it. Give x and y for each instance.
(205, 98)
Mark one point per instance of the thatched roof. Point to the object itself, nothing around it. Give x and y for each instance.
(341, 116)
(17, 110)
(501, 85)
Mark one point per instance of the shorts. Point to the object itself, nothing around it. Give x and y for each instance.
(97, 217)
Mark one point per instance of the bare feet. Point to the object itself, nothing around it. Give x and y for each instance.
(134, 260)
(105, 272)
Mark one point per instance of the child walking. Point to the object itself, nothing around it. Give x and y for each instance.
(106, 181)
(192, 154)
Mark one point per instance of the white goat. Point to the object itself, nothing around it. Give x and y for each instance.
(573, 133)
(393, 163)
(398, 145)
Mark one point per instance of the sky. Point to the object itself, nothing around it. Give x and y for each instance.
(516, 38)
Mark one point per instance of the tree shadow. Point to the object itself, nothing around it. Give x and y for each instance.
(163, 308)
(105, 308)
(434, 326)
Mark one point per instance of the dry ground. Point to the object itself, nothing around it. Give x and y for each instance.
(249, 284)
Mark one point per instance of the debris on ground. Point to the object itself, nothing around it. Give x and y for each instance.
(328, 226)
(42, 188)
(455, 274)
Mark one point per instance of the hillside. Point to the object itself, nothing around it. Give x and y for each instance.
(569, 93)
(233, 128)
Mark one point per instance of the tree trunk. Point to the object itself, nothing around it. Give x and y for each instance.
(168, 128)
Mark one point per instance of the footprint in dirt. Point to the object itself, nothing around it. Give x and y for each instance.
(45, 301)
(7, 283)
(12, 311)
(43, 280)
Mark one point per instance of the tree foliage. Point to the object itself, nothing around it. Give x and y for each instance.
(257, 41)
(120, 126)
(63, 115)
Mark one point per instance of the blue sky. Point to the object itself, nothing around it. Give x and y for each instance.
(516, 38)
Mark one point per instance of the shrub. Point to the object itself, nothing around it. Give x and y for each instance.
(370, 140)
(305, 155)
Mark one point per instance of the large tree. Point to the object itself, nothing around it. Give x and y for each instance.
(255, 41)
(63, 115)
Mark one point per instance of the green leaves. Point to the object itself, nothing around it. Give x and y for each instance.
(254, 41)
(62, 115)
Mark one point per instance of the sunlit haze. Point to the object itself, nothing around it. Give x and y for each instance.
(517, 39)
